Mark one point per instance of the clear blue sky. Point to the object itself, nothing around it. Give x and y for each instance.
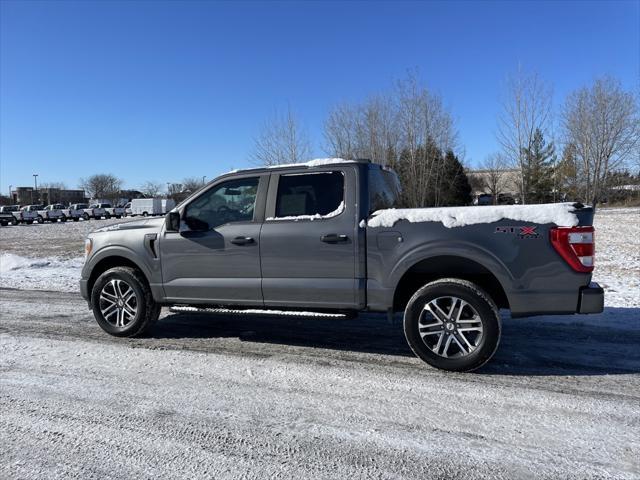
(165, 90)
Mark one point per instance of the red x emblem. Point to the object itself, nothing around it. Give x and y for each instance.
(528, 231)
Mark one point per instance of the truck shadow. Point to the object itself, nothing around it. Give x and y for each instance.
(603, 344)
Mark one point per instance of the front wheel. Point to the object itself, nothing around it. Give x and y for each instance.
(107, 216)
(453, 325)
(122, 303)
(63, 218)
(14, 222)
(85, 216)
(40, 219)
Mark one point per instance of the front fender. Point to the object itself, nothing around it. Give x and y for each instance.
(149, 267)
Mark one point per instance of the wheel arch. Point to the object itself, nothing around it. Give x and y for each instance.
(107, 262)
(428, 269)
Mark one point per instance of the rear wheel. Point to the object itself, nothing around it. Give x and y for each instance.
(107, 216)
(145, 214)
(453, 325)
(122, 303)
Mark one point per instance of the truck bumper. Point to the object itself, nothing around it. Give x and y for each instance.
(591, 299)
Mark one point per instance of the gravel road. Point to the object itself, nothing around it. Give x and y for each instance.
(257, 396)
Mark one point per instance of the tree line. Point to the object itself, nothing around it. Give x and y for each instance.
(575, 152)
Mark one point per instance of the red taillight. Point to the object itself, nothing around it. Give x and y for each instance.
(576, 245)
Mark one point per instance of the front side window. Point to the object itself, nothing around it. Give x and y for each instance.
(232, 201)
(310, 195)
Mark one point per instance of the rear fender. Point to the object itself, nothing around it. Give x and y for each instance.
(460, 249)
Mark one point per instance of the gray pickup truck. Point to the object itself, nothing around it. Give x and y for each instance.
(325, 236)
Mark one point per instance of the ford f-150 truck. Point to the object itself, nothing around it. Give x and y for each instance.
(10, 215)
(325, 235)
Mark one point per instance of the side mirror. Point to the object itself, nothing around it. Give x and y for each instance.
(172, 222)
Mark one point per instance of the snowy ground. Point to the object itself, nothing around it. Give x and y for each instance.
(245, 395)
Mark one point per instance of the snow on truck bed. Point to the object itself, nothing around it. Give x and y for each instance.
(559, 213)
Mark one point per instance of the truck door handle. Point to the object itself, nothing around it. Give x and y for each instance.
(334, 238)
(242, 240)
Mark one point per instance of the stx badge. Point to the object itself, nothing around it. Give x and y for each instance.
(521, 232)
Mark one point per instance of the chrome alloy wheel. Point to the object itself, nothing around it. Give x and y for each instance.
(450, 327)
(118, 303)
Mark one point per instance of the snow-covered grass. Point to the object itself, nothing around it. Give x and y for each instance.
(48, 256)
(618, 255)
(46, 273)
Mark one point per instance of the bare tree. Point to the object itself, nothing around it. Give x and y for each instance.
(602, 124)
(526, 107)
(191, 184)
(426, 131)
(368, 130)
(102, 185)
(151, 189)
(408, 128)
(493, 178)
(282, 140)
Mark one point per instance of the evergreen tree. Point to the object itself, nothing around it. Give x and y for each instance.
(539, 164)
(454, 185)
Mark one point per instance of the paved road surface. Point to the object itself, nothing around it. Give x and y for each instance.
(255, 396)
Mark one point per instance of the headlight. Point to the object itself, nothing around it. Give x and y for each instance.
(88, 245)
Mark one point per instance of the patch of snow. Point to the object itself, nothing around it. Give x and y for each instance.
(318, 162)
(317, 216)
(559, 213)
(40, 273)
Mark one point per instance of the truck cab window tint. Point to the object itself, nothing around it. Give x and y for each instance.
(309, 194)
(384, 189)
(232, 201)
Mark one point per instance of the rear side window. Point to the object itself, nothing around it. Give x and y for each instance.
(384, 189)
(311, 194)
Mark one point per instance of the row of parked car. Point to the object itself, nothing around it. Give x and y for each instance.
(15, 214)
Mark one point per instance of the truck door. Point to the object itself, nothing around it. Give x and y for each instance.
(308, 240)
(215, 257)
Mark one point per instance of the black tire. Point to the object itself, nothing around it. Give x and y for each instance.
(40, 219)
(107, 216)
(14, 222)
(28, 222)
(63, 218)
(4, 224)
(75, 219)
(145, 214)
(477, 299)
(118, 216)
(147, 312)
(85, 216)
